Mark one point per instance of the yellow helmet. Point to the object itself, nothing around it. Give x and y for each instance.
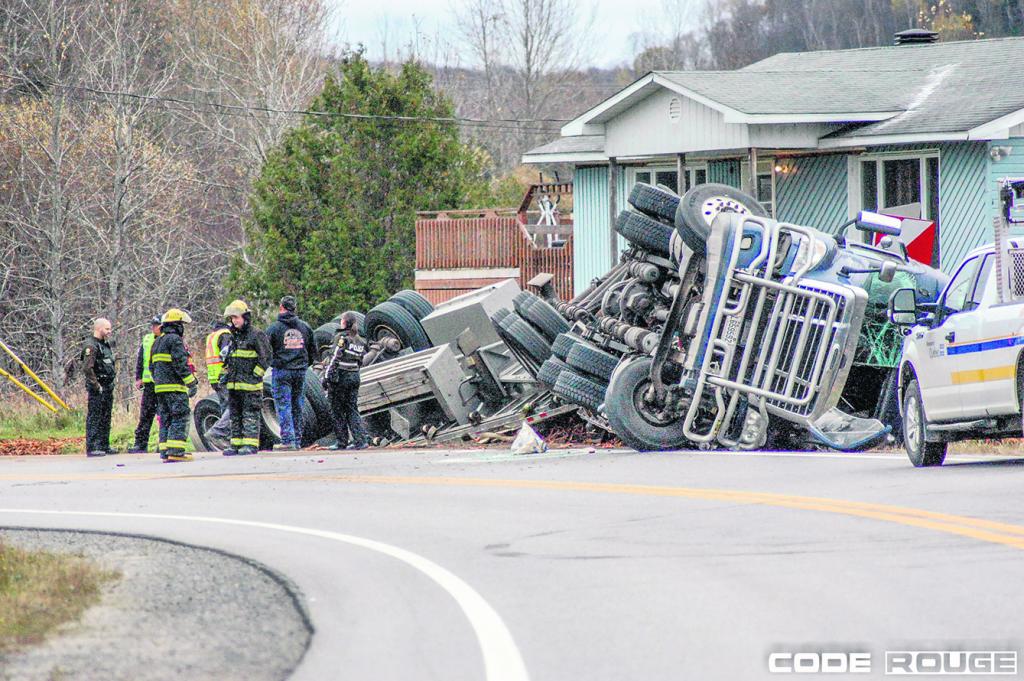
(175, 315)
(236, 307)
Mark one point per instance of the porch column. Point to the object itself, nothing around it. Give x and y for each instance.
(613, 207)
(751, 179)
(680, 174)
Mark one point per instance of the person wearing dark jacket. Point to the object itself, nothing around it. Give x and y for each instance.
(291, 342)
(341, 379)
(144, 382)
(174, 383)
(99, 370)
(246, 363)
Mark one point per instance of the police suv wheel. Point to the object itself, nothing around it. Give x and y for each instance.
(921, 452)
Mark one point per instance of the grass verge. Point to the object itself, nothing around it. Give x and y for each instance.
(27, 428)
(40, 590)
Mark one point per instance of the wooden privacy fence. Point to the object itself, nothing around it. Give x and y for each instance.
(459, 251)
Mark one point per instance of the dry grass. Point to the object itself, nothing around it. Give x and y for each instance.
(40, 590)
(23, 419)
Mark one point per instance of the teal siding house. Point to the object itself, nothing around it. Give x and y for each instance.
(920, 129)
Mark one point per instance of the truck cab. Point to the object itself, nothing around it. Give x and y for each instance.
(960, 374)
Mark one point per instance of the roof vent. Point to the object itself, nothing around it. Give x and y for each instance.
(675, 109)
(916, 36)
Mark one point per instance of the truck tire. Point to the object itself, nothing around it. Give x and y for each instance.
(701, 205)
(391, 319)
(531, 341)
(644, 232)
(921, 452)
(540, 314)
(595, 362)
(204, 415)
(563, 344)
(550, 371)
(635, 425)
(578, 389)
(323, 337)
(314, 395)
(418, 306)
(656, 202)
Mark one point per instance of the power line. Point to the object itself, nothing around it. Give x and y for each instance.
(244, 109)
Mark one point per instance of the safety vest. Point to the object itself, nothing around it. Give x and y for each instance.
(214, 364)
(147, 347)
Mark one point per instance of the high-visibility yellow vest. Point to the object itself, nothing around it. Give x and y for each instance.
(214, 364)
(147, 346)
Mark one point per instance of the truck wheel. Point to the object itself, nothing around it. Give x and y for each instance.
(585, 358)
(204, 415)
(418, 306)
(563, 344)
(313, 394)
(921, 453)
(577, 389)
(653, 201)
(632, 419)
(701, 205)
(644, 232)
(535, 345)
(540, 314)
(390, 319)
(550, 370)
(323, 337)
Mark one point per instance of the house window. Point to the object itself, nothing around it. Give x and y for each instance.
(906, 181)
(665, 176)
(764, 182)
(695, 175)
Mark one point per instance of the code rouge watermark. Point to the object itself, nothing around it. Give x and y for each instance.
(898, 662)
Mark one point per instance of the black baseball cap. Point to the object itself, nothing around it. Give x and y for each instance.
(288, 303)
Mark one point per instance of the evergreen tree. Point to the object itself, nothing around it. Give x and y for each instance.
(334, 208)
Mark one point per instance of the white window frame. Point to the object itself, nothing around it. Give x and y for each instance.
(855, 197)
(689, 169)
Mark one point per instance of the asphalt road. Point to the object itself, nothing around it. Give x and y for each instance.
(573, 565)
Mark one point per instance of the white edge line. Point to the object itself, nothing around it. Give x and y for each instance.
(502, 659)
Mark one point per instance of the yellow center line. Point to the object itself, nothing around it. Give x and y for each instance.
(991, 531)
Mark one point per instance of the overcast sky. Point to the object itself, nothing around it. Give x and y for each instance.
(364, 21)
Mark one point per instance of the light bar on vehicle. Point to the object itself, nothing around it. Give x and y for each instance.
(868, 221)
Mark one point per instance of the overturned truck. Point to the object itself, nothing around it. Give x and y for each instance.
(721, 327)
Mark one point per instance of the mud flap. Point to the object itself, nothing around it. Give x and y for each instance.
(838, 430)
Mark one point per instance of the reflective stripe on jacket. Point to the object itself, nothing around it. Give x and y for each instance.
(169, 364)
(248, 359)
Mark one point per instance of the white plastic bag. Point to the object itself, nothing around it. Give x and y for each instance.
(528, 442)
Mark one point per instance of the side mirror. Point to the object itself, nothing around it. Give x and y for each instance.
(888, 271)
(903, 307)
(876, 222)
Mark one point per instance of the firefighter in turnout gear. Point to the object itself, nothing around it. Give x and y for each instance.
(220, 333)
(173, 383)
(246, 363)
(341, 380)
(144, 382)
(98, 367)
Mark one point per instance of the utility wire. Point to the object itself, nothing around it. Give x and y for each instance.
(244, 110)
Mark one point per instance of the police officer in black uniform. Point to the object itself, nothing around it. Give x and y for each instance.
(341, 380)
(99, 370)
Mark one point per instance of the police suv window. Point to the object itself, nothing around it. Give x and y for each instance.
(962, 284)
(981, 286)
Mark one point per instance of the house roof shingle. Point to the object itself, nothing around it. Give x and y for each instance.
(944, 87)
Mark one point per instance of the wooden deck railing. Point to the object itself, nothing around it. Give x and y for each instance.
(482, 240)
